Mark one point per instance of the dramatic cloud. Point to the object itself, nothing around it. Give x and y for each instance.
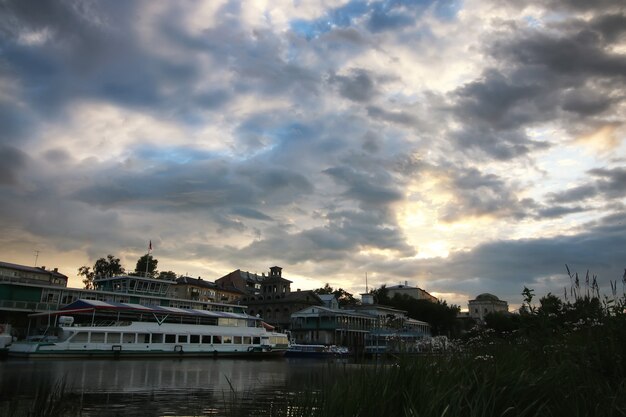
(467, 147)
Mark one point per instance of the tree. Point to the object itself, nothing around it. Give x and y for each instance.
(108, 267)
(104, 267)
(167, 275)
(88, 275)
(441, 317)
(381, 295)
(147, 263)
(344, 298)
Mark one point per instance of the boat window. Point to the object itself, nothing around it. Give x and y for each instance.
(256, 340)
(113, 337)
(227, 339)
(217, 339)
(206, 339)
(157, 338)
(247, 340)
(145, 337)
(194, 338)
(81, 337)
(237, 340)
(170, 338)
(97, 337)
(182, 338)
(129, 337)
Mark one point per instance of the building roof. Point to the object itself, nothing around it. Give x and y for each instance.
(486, 297)
(95, 305)
(198, 282)
(33, 269)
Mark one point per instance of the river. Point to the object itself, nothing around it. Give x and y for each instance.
(162, 387)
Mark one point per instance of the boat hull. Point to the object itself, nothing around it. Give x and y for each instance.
(49, 351)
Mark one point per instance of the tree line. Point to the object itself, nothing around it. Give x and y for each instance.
(111, 266)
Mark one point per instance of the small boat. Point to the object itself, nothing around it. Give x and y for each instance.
(5, 339)
(98, 329)
(315, 351)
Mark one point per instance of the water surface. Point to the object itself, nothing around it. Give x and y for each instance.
(158, 387)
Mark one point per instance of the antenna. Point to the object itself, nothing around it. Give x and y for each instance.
(366, 289)
(36, 257)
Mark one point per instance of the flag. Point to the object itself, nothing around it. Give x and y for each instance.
(150, 246)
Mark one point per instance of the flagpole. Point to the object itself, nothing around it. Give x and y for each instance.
(148, 257)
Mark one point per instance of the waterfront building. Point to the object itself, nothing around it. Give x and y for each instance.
(246, 282)
(27, 292)
(275, 301)
(413, 292)
(329, 300)
(484, 304)
(369, 326)
(203, 290)
(32, 274)
(331, 326)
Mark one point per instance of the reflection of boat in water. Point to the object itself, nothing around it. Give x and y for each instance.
(316, 351)
(89, 328)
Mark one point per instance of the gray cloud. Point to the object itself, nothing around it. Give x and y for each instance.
(358, 86)
(13, 161)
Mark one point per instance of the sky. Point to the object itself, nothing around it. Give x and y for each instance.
(459, 146)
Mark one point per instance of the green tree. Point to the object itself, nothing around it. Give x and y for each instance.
(501, 321)
(441, 317)
(108, 267)
(104, 267)
(344, 298)
(147, 263)
(87, 274)
(381, 295)
(167, 275)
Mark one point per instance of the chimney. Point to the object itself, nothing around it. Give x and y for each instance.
(56, 269)
(406, 283)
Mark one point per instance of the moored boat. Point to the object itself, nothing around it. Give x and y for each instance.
(5, 339)
(316, 351)
(89, 328)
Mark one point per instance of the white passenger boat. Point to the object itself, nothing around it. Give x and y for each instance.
(89, 328)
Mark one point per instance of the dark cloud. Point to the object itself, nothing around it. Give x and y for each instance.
(608, 183)
(506, 266)
(345, 233)
(365, 188)
(358, 86)
(399, 117)
(13, 162)
(611, 182)
(581, 54)
(575, 194)
(502, 145)
(586, 102)
(501, 102)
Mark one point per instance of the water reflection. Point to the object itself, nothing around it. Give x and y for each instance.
(163, 387)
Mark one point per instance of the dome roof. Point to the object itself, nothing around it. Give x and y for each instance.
(487, 297)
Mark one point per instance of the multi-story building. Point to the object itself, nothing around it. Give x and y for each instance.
(203, 290)
(368, 327)
(484, 304)
(24, 291)
(414, 292)
(31, 274)
(246, 282)
(275, 301)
